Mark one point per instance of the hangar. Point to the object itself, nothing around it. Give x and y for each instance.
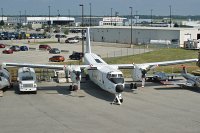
(143, 35)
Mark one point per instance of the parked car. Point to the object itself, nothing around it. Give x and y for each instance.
(57, 58)
(71, 40)
(23, 48)
(44, 47)
(7, 51)
(54, 51)
(15, 48)
(2, 46)
(76, 56)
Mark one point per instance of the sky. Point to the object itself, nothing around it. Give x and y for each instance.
(100, 7)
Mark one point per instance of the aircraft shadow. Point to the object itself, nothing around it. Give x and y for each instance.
(194, 89)
(92, 89)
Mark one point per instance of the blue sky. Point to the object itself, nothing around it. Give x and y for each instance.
(101, 7)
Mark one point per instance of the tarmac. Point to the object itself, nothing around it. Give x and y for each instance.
(54, 109)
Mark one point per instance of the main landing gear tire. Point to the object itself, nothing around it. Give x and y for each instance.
(133, 86)
(73, 88)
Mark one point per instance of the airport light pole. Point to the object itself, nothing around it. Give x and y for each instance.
(151, 17)
(81, 5)
(69, 17)
(111, 16)
(170, 15)
(2, 13)
(136, 13)
(49, 18)
(90, 13)
(131, 24)
(20, 21)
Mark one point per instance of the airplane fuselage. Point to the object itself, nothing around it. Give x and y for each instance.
(104, 75)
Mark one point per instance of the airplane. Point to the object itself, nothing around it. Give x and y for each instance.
(107, 76)
(191, 80)
(161, 76)
(4, 78)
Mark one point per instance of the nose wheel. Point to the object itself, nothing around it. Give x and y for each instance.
(118, 99)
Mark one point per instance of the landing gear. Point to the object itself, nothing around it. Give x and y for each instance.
(118, 99)
(73, 88)
(133, 86)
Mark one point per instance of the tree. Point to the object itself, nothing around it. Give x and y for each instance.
(176, 25)
(2, 23)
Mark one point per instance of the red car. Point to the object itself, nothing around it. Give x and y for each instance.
(2, 46)
(7, 51)
(57, 58)
(44, 47)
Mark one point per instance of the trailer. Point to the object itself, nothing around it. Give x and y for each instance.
(27, 80)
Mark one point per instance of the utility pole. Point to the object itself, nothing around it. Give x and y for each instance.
(82, 29)
(111, 16)
(90, 14)
(69, 17)
(151, 17)
(49, 19)
(170, 15)
(131, 24)
(2, 13)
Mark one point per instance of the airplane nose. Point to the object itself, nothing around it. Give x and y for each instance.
(119, 88)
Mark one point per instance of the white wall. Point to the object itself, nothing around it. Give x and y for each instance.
(139, 35)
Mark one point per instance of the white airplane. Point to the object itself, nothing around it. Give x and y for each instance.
(4, 79)
(106, 76)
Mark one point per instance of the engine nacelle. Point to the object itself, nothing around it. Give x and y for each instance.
(136, 74)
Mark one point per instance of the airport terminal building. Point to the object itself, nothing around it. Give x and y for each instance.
(143, 35)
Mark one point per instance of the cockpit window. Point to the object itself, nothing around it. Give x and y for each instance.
(120, 75)
(115, 78)
(114, 75)
(98, 61)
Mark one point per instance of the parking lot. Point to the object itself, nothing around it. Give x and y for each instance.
(40, 56)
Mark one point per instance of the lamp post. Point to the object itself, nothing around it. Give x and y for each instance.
(136, 15)
(49, 18)
(151, 16)
(131, 24)
(20, 20)
(82, 29)
(90, 13)
(69, 17)
(111, 16)
(2, 13)
(170, 15)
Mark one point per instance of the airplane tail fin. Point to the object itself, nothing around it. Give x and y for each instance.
(88, 46)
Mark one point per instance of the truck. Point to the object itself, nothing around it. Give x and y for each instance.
(192, 44)
(27, 80)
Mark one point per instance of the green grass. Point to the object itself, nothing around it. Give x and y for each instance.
(157, 56)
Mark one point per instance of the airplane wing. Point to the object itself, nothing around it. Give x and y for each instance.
(48, 66)
(164, 63)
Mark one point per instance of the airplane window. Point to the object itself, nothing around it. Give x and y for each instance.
(114, 75)
(120, 75)
(98, 61)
